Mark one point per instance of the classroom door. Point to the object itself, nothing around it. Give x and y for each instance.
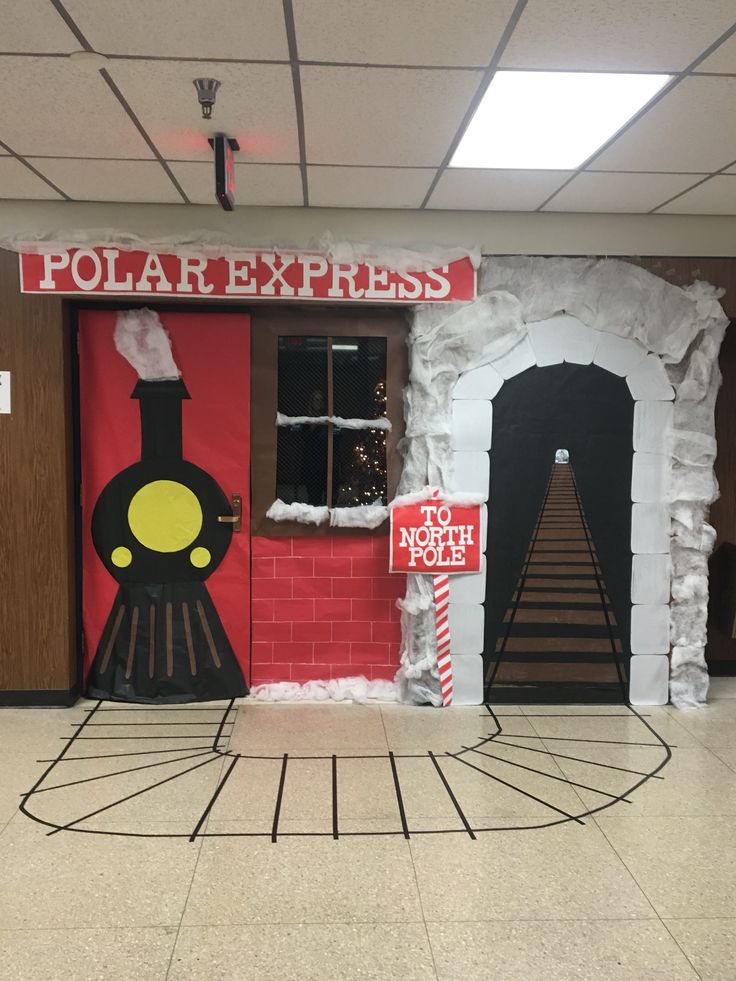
(165, 505)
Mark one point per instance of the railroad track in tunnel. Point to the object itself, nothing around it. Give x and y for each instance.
(559, 640)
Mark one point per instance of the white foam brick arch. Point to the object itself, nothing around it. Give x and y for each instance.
(551, 342)
(540, 312)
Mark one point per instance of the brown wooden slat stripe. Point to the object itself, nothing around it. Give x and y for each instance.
(523, 645)
(574, 596)
(113, 637)
(151, 640)
(131, 643)
(541, 671)
(557, 545)
(188, 635)
(169, 640)
(563, 533)
(551, 569)
(208, 634)
(554, 617)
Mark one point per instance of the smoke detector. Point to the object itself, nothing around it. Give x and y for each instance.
(206, 93)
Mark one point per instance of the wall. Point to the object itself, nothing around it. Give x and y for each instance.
(37, 641)
(37, 602)
(498, 233)
(324, 608)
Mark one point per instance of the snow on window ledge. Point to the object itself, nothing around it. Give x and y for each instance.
(361, 516)
(283, 420)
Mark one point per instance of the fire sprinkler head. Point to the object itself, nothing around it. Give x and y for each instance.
(206, 93)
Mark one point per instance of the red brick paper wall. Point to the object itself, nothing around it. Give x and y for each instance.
(324, 608)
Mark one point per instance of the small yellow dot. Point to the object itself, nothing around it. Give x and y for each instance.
(121, 557)
(200, 557)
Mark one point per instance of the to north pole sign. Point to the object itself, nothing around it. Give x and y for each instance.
(435, 536)
(262, 275)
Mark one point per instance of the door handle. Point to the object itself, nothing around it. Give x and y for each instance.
(236, 518)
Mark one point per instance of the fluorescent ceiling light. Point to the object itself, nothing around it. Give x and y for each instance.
(344, 347)
(550, 120)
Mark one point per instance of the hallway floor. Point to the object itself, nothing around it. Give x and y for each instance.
(256, 841)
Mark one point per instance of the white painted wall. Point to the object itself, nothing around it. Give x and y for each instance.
(498, 233)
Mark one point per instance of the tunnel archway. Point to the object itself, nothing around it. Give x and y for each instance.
(557, 605)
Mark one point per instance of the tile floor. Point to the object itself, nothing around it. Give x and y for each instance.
(585, 876)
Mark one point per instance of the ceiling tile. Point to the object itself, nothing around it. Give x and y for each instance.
(723, 59)
(60, 109)
(387, 117)
(184, 28)
(368, 187)
(255, 104)
(716, 196)
(496, 190)
(255, 184)
(628, 193)
(615, 35)
(17, 181)
(111, 180)
(34, 25)
(692, 129)
(412, 32)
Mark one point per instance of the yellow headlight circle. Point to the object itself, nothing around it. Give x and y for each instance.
(200, 557)
(121, 557)
(165, 516)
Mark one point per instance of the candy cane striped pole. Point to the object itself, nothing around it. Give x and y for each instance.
(442, 625)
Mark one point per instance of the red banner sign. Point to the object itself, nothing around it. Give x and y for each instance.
(436, 537)
(103, 271)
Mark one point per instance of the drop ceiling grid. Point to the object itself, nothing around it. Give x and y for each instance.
(385, 87)
(255, 104)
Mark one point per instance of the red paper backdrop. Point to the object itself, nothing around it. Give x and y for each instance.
(212, 352)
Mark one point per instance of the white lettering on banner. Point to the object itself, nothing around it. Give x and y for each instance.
(438, 553)
(313, 269)
(345, 272)
(442, 281)
(407, 537)
(421, 536)
(271, 275)
(277, 279)
(111, 282)
(51, 262)
(86, 283)
(153, 268)
(240, 273)
(197, 268)
(436, 542)
(378, 284)
(466, 534)
(410, 294)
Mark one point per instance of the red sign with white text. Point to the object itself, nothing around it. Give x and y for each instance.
(436, 537)
(107, 271)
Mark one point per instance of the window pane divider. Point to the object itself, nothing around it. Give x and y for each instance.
(330, 426)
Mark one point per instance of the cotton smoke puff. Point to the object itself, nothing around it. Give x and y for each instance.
(143, 342)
